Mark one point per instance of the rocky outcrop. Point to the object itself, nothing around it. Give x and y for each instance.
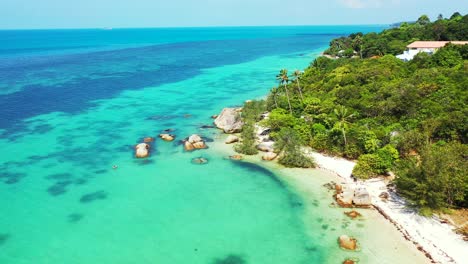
(349, 261)
(347, 242)
(361, 197)
(142, 150)
(231, 139)
(167, 137)
(269, 156)
(194, 142)
(348, 195)
(229, 121)
(266, 146)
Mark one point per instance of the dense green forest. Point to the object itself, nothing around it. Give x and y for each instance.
(394, 40)
(407, 117)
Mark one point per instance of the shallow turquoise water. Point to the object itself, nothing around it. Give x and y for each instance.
(68, 118)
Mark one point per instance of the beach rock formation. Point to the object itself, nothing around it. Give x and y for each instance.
(347, 242)
(266, 146)
(231, 139)
(229, 121)
(352, 214)
(142, 150)
(194, 142)
(236, 157)
(167, 137)
(348, 195)
(344, 195)
(269, 156)
(361, 197)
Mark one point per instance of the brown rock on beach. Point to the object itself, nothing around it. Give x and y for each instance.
(347, 242)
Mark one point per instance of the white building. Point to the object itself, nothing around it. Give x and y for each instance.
(425, 46)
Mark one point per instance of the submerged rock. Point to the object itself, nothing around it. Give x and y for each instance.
(347, 242)
(199, 160)
(229, 121)
(148, 139)
(231, 139)
(269, 156)
(142, 150)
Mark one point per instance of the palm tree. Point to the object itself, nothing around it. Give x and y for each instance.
(283, 79)
(358, 44)
(342, 114)
(274, 93)
(296, 76)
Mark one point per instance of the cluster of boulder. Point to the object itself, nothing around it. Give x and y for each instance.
(194, 142)
(349, 195)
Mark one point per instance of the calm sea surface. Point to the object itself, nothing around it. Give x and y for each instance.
(73, 103)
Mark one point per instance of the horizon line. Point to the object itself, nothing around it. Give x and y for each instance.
(187, 27)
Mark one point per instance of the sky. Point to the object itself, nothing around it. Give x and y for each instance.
(46, 14)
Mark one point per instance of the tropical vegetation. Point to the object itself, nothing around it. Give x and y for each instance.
(407, 117)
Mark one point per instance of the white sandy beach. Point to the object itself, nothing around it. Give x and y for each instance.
(434, 237)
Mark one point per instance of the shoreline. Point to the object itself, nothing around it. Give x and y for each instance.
(436, 240)
(308, 184)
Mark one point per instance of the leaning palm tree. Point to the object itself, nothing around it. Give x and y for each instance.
(297, 74)
(283, 79)
(343, 120)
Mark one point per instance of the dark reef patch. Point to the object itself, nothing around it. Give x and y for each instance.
(75, 217)
(230, 259)
(4, 238)
(59, 188)
(59, 176)
(11, 177)
(94, 196)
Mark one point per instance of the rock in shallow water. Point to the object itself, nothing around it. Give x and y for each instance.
(194, 142)
(199, 160)
(347, 242)
(142, 150)
(229, 121)
(167, 137)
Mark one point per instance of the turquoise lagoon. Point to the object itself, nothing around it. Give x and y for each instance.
(73, 104)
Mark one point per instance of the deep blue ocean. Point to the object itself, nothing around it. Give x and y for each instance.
(73, 103)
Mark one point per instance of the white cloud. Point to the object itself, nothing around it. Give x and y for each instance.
(357, 4)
